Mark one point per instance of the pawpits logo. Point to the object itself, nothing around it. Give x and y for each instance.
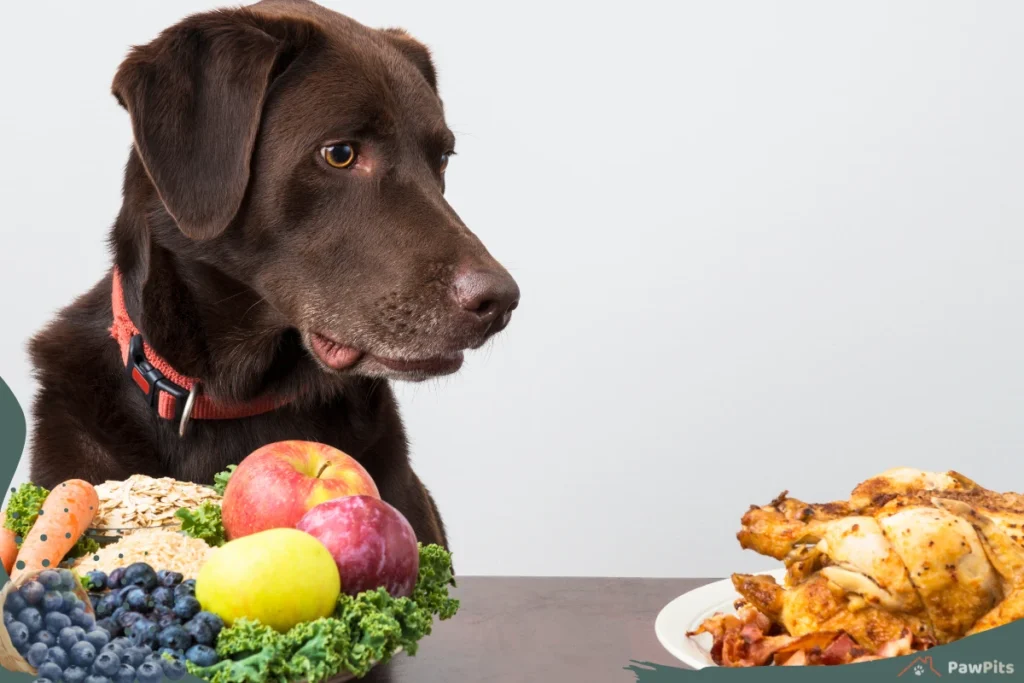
(993, 666)
(926, 667)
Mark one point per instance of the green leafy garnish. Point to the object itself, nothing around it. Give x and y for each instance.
(220, 480)
(365, 630)
(23, 510)
(204, 523)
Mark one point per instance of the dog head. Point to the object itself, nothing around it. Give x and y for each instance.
(303, 155)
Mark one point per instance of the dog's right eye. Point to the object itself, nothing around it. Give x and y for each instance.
(340, 155)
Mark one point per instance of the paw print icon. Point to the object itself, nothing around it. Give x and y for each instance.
(920, 667)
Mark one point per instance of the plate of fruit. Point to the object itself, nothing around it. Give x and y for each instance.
(207, 598)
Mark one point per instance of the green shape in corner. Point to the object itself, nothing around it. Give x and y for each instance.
(12, 440)
(12, 444)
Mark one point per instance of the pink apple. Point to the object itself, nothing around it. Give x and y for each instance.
(372, 544)
(277, 484)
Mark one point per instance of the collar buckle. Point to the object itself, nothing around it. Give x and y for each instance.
(152, 382)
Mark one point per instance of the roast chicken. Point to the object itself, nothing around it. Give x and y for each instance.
(913, 557)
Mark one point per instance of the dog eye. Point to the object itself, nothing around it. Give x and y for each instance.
(444, 160)
(341, 155)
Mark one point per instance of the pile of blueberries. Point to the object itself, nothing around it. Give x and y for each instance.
(146, 625)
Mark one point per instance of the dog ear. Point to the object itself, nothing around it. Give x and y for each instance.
(415, 51)
(195, 96)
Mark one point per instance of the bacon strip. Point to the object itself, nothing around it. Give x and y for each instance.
(743, 640)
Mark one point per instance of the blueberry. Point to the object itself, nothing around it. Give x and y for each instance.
(19, 635)
(144, 632)
(200, 632)
(98, 637)
(49, 578)
(46, 638)
(163, 596)
(115, 648)
(52, 601)
(106, 664)
(56, 622)
(97, 579)
(51, 671)
(15, 602)
(70, 601)
(44, 680)
(105, 606)
(58, 656)
(125, 674)
(173, 666)
(69, 636)
(128, 618)
(202, 655)
(212, 620)
(168, 578)
(168, 619)
(176, 638)
(33, 592)
(36, 654)
(186, 607)
(110, 626)
(139, 574)
(96, 679)
(149, 672)
(138, 599)
(82, 654)
(187, 587)
(160, 611)
(114, 578)
(31, 617)
(80, 617)
(8, 618)
(136, 655)
(123, 642)
(68, 581)
(74, 674)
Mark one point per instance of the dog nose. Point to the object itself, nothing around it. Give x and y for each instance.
(486, 294)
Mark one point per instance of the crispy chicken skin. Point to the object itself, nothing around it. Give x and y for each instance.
(818, 605)
(929, 554)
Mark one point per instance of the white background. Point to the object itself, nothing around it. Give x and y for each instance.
(761, 246)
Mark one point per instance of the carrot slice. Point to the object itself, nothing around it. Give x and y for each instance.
(67, 512)
(8, 546)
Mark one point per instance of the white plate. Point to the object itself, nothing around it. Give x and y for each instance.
(689, 611)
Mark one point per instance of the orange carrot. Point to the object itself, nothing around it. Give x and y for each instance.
(67, 512)
(8, 548)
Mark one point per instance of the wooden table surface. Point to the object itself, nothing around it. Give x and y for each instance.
(513, 630)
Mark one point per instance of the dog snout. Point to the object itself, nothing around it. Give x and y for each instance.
(488, 296)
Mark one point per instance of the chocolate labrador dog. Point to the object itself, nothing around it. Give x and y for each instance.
(284, 249)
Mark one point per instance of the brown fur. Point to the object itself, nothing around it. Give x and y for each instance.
(238, 244)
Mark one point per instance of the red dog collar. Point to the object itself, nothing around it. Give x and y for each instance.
(174, 396)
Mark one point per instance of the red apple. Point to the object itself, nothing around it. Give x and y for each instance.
(277, 484)
(372, 544)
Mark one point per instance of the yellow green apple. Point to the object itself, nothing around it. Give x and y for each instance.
(282, 577)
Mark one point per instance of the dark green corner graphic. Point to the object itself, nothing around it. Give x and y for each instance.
(12, 443)
(996, 655)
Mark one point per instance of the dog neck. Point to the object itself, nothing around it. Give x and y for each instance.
(201, 321)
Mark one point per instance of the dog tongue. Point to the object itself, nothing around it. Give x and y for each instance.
(333, 354)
